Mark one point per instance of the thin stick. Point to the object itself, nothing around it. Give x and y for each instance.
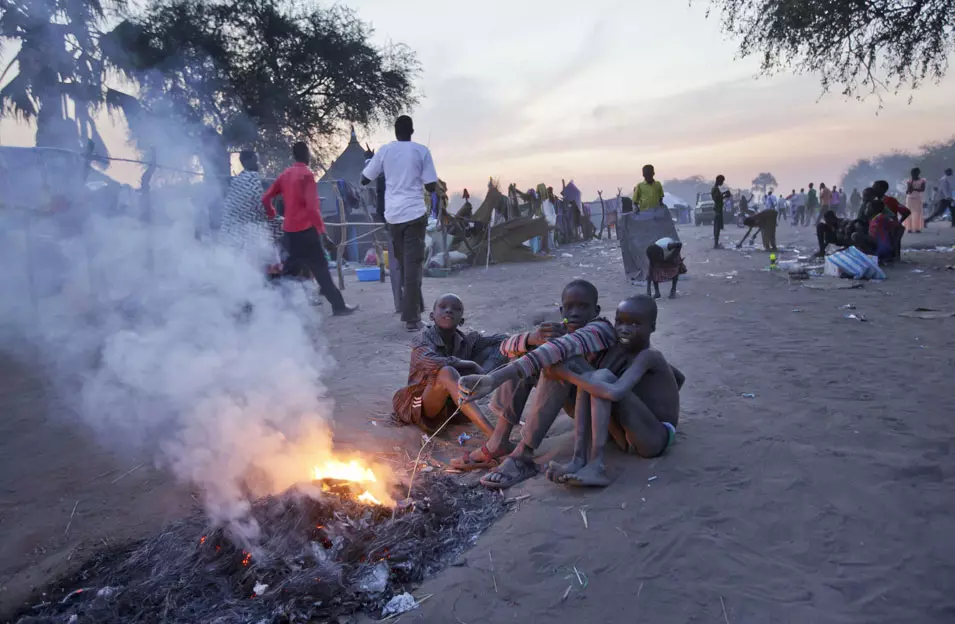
(583, 514)
(71, 518)
(127, 473)
(394, 615)
(639, 589)
(725, 617)
(567, 592)
(492, 570)
(414, 470)
(517, 499)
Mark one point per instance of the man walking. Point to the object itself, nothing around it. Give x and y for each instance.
(408, 167)
(304, 226)
(945, 201)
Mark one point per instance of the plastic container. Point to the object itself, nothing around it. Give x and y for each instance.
(368, 274)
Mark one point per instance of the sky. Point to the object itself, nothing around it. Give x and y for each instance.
(539, 91)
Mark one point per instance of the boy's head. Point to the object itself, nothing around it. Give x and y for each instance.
(248, 160)
(868, 194)
(404, 128)
(802, 190)
(916, 173)
(648, 173)
(874, 209)
(720, 179)
(830, 217)
(750, 221)
(810, 186)
(300, 153)
(881, 187)
(948, 171)
(448, 312)
(635, 320)
(578, 304)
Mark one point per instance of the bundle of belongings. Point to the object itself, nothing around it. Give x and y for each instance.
(853, 263)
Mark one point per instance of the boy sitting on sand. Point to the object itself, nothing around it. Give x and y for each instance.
(635, 396)
(440, 355)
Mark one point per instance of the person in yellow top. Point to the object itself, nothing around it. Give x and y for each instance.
(649, 193)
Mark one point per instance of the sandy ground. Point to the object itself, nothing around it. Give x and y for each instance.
(825, 498)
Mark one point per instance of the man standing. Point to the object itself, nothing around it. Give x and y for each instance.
(304, 226)
(407, 167)
(719, 195)
(812, 205)
(243, 219)
(945, 201)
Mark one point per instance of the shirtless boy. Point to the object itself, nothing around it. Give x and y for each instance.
(440, 355)
(638, 392)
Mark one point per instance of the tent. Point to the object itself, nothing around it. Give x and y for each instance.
(345, 174)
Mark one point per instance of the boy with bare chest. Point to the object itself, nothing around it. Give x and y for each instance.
(634, 396)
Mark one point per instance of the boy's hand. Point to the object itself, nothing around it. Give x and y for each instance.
(545, 332)
(475, 387)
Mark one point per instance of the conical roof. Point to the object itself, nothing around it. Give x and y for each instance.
(349, 164)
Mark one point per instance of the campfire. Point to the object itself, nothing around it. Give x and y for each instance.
(335, 546)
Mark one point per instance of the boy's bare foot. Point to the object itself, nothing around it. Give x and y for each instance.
(555, 471)
(672, 294)
(591, 475)
(509, 473)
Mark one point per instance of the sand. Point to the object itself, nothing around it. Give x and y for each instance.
(824, 498)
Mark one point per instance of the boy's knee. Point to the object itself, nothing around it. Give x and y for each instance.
(449, 374)
(604, 375)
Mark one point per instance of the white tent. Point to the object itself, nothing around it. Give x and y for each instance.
(672, 201)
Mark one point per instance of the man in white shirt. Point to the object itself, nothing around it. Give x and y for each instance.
(408, 167)
(945, 201)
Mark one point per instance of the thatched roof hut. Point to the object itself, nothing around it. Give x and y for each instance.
(345, 174)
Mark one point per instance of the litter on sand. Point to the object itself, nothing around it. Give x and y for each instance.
(856, 317)
(402, 603)
(749, 395)
(848, 306)
(464, 437)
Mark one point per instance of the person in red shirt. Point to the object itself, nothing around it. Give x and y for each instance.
(881, 187)
(303, 224)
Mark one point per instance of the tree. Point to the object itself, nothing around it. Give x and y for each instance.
(58, 63)
(688, 188)
(260, 73)
(894, 167)
(860, 46)
(764, 181)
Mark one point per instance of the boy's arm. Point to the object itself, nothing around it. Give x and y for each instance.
(373, 169)
(615, 391)
(591, 338)
(274, 191)
(424, 357)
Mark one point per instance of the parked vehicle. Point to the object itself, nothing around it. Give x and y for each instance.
(704, 209)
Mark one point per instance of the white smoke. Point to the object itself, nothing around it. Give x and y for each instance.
(149, 336)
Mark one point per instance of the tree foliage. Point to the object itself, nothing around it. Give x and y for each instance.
(764, 181)
(260, 73)
(58, 63)
(895, 167)
(859, 46)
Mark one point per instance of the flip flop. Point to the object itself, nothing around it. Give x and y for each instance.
(525, 470)
(489, 460)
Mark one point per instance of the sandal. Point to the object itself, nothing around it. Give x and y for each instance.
(487, 460)
(512, 472)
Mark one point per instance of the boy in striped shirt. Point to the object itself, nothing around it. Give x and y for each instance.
(582, 334)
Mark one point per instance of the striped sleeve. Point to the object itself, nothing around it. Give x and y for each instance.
(425, 361)
(592, 338)
(515, 346)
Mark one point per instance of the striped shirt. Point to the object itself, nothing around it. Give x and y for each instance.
(590, 340)
(429, 354)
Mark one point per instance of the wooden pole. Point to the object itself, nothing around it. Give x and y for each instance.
(603, 216)
(344, 237)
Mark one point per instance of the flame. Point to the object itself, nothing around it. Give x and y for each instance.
(369, 499)
(351, 471)
(354, 471)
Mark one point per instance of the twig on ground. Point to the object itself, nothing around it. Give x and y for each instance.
(579, 580)
(583, 514)
(493, 578)
(725, 617)
(71, 518)
(127, 473)
(566, 592)
(517, 499)
(421, 450)
(639, 589)
(622, 531)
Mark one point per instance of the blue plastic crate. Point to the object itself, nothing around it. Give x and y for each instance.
(368, 274)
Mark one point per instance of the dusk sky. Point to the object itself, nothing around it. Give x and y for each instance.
(529, 92)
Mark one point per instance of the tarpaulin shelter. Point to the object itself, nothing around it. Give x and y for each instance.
(344, 176)
(637, 231)
(506, 239)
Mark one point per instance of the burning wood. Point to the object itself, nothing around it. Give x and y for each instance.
(321, 554)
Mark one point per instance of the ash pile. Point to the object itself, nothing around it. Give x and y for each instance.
(318, 557)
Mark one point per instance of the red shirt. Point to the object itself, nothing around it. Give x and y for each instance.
(893, 204)
(297, 187)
